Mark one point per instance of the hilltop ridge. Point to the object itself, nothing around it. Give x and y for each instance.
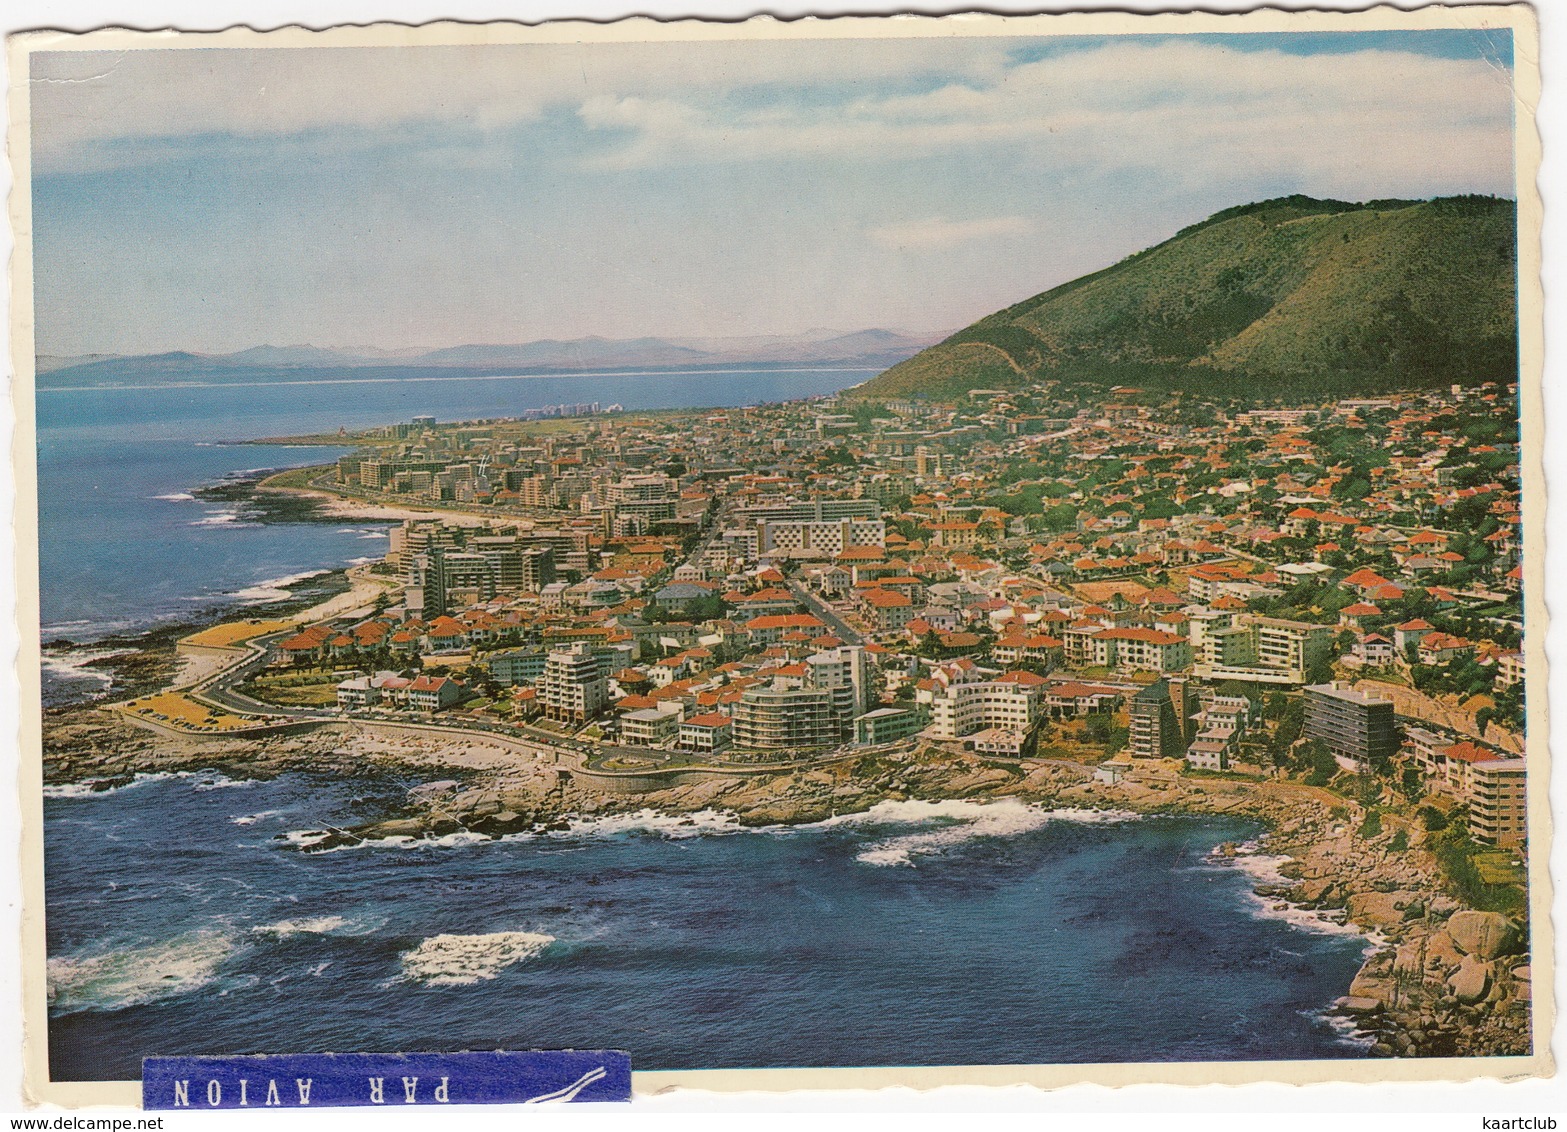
(1293, 291)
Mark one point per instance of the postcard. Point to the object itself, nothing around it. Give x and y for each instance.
(815, 554)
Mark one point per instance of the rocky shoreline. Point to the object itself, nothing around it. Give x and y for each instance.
(1441, 980)
(138, 663)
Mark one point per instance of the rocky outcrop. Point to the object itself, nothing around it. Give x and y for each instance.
(1482, 934)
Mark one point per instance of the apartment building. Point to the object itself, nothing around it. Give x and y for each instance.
(1154, 732)
(778, 716)
(812, 540)
(1356, 726)
(651, 727)
(708, 733)
(573, 688)
(1491, 784)
(959, 709)
(1264, 650)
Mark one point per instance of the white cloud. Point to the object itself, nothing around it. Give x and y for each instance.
(1366, 122)
(1362, 122)
(84, 99)
(936, 233)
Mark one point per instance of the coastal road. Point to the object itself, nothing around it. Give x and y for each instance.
(820, 609)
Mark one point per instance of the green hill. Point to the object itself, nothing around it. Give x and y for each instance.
(1293, 294)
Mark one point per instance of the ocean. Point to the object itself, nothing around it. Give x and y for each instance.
(183, 919)
(917, 934)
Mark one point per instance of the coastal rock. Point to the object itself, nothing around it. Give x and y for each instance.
(1317, 891)
(1355, 1005)
(1471, 981)
(1441, 953)
(1482, 934)
(1409, 960)
(1379, 909)
(1374, 988)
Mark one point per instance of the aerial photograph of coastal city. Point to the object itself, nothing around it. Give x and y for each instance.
(774, 553)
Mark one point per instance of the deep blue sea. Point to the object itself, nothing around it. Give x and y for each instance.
(918, 934)
(183, 919)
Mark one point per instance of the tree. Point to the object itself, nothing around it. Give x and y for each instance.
(1323, 766)
(1320, 671)
(1372, 826)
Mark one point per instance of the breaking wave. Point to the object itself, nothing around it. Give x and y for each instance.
(1263, 869)
(102, 787)
(230, 519)
(276, 589)
(113, 980)
(960, 821)
(316, 925)
(463, 960)
(76, 664)
(675, 827)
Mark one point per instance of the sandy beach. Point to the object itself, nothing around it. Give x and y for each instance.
(341, 507)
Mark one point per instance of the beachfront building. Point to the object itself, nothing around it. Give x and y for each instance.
(432, 693)
(1221, 724)
(961, 708)
(1357, 727)
(708, 733)
(1153, 729)
(846, 673)
(780, 716)
(651, 727)
(573, 686)
(887, 725)
(1489, 782)
(357, 692)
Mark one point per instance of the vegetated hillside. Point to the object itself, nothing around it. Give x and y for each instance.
(1287, 294)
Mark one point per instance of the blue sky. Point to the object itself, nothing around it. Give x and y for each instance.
(212, 201)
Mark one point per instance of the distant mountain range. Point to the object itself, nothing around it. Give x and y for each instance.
(872, 349)
(1285, 295)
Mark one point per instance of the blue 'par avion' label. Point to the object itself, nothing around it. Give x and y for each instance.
(324, 1080)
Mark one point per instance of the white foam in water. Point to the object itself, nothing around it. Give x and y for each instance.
(463, 960)
(218, 519)
(74, 665)
(177, 497)
(273, 588)
(130, 976)
(215, 781)
(961, 821)
(95, 788)
(1345, 1030)
(1262, 868)
(314, 925)
(676, 827)
(252, 819)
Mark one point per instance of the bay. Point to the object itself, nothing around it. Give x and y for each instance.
(125, 543)
(918, 934)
